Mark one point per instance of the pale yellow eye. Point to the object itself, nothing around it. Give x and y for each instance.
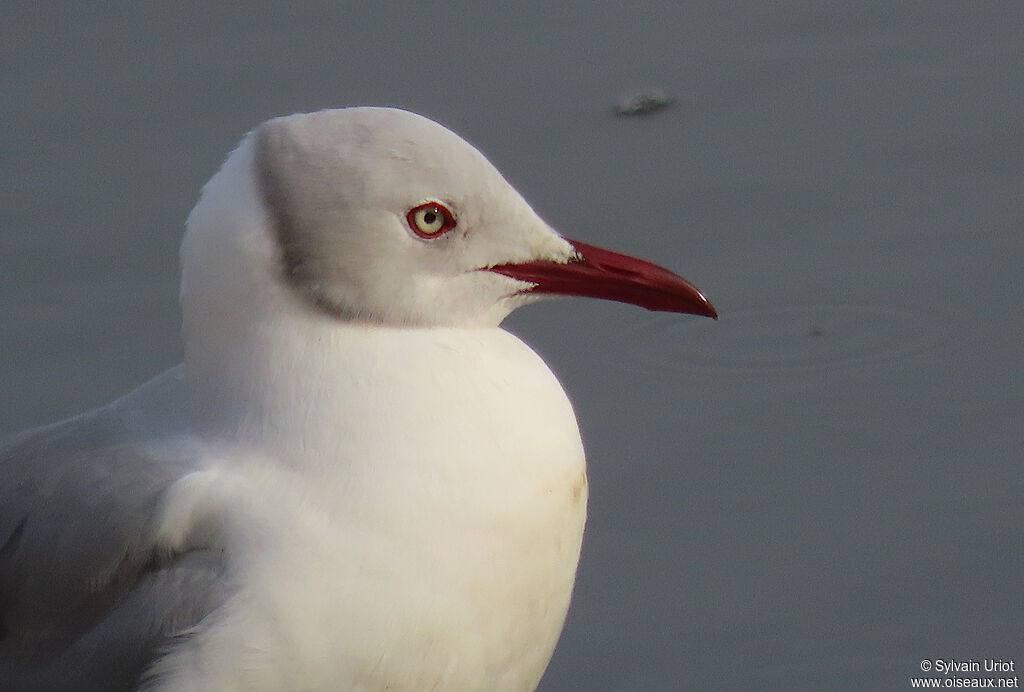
(430, 220)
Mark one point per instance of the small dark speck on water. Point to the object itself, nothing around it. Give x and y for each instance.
(643, 104)
(816, 332)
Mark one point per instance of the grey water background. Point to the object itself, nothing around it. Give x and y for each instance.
(816, 492)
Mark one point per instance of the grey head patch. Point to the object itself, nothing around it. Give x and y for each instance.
(293, 185)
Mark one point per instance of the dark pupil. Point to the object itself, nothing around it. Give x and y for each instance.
(429, 218)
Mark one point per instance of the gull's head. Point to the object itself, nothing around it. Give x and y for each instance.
(381, 216)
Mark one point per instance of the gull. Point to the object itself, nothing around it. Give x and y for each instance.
(356, 480)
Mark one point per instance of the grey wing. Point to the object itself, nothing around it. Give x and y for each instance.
(86, 598)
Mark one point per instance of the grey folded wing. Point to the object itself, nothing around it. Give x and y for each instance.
(87, 598)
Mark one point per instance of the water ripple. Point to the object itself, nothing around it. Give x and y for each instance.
(773, 338)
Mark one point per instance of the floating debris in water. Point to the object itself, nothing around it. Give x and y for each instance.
(642, 104)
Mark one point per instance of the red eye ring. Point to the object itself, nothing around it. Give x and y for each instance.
(430, 220)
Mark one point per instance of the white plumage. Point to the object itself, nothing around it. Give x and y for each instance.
(356, 480)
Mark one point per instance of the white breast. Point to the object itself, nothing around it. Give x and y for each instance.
(416, 525)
